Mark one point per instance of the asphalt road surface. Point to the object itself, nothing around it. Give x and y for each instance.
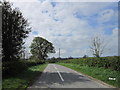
(57, 76)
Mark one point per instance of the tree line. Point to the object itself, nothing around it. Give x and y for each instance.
(15, 28)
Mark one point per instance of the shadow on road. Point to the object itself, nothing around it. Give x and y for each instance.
(49, 78)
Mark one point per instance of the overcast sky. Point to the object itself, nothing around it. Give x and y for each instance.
(71, 25)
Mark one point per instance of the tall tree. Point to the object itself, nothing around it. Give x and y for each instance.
(14, 29)
(40, 48)
(97, 46)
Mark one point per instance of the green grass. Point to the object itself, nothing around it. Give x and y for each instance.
(24, 79)
(98, 73)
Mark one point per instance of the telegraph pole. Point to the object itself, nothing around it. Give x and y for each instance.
(59, 52)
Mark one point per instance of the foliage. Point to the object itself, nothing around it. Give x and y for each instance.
(52, 61)
(85, 56)
(24, 79)
(14, 29)
(40, 48)
(12, 68)
(34, 62)
(106, 62)
(15, 67)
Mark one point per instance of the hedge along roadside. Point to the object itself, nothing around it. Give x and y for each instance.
(106, 62)
(15, 67)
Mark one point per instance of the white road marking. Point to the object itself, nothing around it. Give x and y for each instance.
(59, 73)
(60, 76)
(55, 67)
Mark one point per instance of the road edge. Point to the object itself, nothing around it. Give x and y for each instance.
(99, 81)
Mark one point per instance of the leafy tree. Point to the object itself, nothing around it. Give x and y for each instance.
(85, 56)
(40, 48)
(14, 29)
(97, 46)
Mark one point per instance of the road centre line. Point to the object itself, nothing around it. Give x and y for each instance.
(55, 67)
(59, 73)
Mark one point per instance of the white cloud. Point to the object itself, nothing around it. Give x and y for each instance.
(106, 15)
(59, 25)
(112, 43)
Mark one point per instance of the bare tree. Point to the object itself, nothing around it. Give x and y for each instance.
(97, 46)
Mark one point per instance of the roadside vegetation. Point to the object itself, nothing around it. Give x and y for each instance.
(13, 68)
(17, 72)
(40, 48)
(100, 68)
(24, 79)
(112, 63)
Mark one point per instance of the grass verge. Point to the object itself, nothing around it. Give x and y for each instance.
(98, 73)
(24, 79)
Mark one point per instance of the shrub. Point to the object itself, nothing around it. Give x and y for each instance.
(106, 62)
(14, 67)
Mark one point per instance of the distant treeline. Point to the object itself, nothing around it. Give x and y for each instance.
(61, 58)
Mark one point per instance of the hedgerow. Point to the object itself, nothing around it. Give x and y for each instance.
(14, 67)
(106, 62)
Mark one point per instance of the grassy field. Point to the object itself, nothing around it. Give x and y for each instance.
(24, 79)
(98, 73)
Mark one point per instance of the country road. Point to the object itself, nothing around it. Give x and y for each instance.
(57, 76)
